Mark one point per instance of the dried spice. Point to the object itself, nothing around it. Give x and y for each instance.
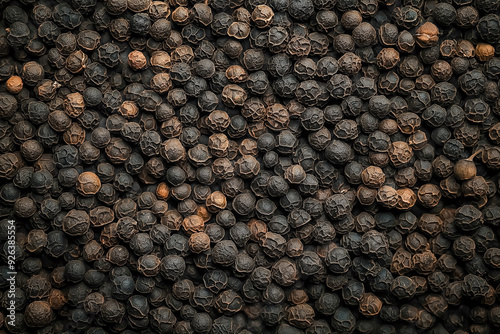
(251, 166)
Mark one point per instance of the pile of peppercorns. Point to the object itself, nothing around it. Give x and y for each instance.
(250, 166)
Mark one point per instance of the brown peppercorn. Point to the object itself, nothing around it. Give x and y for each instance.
(441, 70)
(248, 147)
(349, 63)
(182, 53)
(401, 262)
(182, 15)
(467, 16)
(388, 126)
(163, 191)
(400, 153)
(236, 74)
(216, 201)
(182, 192)
(172, 219)
(295, 174)
(388, 34)
(138, 5)
(364, 34)
(36, 240)
(387, 58)
(343, 43)
(405, 177)
(92, 251)
(75, 135)
(74, 105)
(193, 224)
(101, 216)
(57, 299)
(430, 224)
(417, 140)
(465, 169)
(379, 159)
(59, 121)
(298, 296)
(373, 176)
(172, 150)
(128, 109)
(239, 30)
(425, 82)
(450, 188)
(223, 168)
(351, 19)
(93, 302)
(484, 51)
(203, 212)
(406, 198)
(137, 60)
(218, 144)
(256, 129)
(424, 263)
(262, 16)
(476, 187)
(241, 14)
(218, 121)
(88, 184)
(427, 35)
(233, 95)
(161, 83)
(277, 118)
(257, 229)
(14, 84)
(465, 49)
(76, 61)
(199, 242)
(429, 195)
(408, 122)
(31, 150)
(247, 166)
(160, 61)
(370, 305)
(294, 247)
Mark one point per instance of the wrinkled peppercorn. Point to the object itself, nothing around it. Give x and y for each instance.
(302, 166)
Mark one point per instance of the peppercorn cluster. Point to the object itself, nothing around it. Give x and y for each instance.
(250, 166)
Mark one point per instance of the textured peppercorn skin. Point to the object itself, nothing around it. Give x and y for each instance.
(302, 166)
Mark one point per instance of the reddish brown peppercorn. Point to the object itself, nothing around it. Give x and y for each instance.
(406, 198)
(137, 60)
(216, 201)
(74, 105)
(427, 35)
(387, 58)
(262, 16)
(193, 224)
(14, 84)
(88, 184)
(370, 305)
(163, 191)
(484, 51)
(199, 242)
